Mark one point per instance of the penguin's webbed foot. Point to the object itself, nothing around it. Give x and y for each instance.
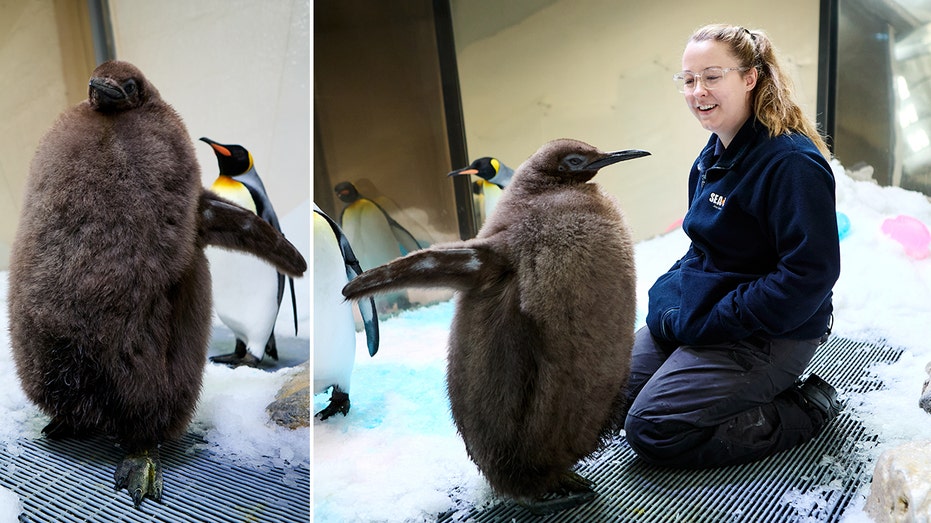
(235, 360)
(141, 475)
(59, 428)
(339, 403)
(572, 482)
(573, 490)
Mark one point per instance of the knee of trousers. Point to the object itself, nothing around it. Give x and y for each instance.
(660, 443)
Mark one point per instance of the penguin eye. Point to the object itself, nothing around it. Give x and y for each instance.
(573, 162)
(130, 86)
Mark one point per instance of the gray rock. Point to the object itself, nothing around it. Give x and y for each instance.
(925, 401)
(901, 485)
(291, 407)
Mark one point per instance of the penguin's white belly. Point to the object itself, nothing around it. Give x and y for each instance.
(245, 296)
(370, 235)
(492, 196)
(334, 328)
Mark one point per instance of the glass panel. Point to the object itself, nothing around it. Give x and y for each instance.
(883, 91)
(537, 70)
(380, 132)
(913, 94)
(865, 134)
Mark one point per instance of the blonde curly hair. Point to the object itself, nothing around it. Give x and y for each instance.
(772, 97)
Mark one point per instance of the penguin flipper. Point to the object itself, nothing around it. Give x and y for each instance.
(366, 307)
(293, 303)
(224, 224)
(459, 268)
(406, 241)
(370, 322)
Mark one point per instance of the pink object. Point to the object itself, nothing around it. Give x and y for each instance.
(911, 233)
(675, 225)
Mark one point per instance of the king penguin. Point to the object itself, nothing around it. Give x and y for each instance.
(109, 289)
(247, 291)
(335, 264)
(362, 218)
(540, 341)
(493, 176)
(376, 237)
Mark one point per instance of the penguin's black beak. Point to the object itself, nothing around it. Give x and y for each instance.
(616, 156)
(218, 148)
(107, 88)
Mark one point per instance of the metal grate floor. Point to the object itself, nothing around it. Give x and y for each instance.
(72, 481)
(814, 482)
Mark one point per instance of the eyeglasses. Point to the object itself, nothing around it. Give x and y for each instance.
(710, 77)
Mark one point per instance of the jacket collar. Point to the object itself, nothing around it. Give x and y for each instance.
(715, 156)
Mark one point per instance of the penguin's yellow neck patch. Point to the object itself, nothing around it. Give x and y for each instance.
(233, 191)
(226, 183)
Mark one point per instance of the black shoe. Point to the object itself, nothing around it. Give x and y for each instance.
(822, 396)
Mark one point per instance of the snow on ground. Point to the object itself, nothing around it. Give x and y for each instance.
(10, 506)
(397, 456)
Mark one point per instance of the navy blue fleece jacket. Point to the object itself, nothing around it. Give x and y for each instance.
(764, 254)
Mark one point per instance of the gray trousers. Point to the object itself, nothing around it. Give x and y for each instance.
(718, 405)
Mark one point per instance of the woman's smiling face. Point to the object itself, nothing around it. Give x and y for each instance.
(724, 109)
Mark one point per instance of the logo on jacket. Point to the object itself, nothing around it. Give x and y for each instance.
(717, 200)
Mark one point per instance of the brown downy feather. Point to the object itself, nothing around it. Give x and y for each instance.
(539, 347)
(109, 297)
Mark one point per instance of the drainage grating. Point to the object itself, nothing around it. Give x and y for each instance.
(72, 481)
(812, 482)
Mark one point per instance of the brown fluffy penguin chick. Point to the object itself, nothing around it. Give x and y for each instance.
(109, 295)
(539, 346)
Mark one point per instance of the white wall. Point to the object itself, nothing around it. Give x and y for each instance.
(33, 95)
(238, 71)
